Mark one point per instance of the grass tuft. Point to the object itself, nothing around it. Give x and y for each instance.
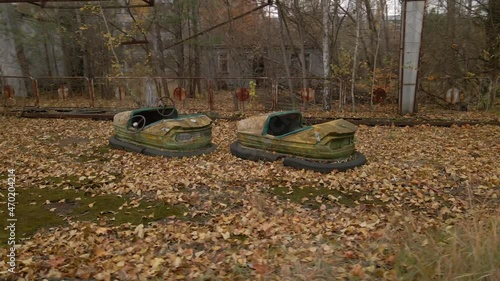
(467, 251)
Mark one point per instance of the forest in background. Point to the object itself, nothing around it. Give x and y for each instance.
(423, 207)
(358, 42)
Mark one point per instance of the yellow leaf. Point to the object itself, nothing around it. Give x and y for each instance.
(99, 252)
(103, 276)
(198, 254)
(101, 230)
(139, 231)
(27, 261)
(156, 262)
(177, 262)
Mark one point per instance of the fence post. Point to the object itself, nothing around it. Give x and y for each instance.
(211, 94)
(89, 87)
(274, 94)
(35, 91)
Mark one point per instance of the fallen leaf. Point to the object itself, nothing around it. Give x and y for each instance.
(349, 254)
(357, 270)
(260, 268)
(54, 273)
(139, 231)
(177, 262)
(56, 261)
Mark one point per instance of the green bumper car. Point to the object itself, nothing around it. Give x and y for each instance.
(282, 135)
(161, 131)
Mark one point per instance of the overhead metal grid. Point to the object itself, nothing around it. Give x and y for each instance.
(76, 4)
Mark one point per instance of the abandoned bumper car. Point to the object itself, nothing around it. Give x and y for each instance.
(161, 131)
(282, 135)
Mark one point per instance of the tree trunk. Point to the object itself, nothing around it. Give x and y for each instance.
(336, 22)
(326, 56)
(375, 59)
(300, 27)
(54, 56)
(178, 34)
(14, 24)
(452, 68)
(451, 22)
(190, 69)
(373, 29)
(285, 53)
(116, 63)
(68, 60)
(385, 14)
(161, 65)
(47, 57)
(197, 49)
(231, 39)
(493, 47)
(355, 56)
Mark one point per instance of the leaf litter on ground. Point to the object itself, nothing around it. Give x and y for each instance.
(241, 219)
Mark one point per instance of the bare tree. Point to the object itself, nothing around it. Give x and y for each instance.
(195, 10)
(493, 48)
(355, 56)
(284, 52)
(325, 4)
(13, 23)
(300, 27)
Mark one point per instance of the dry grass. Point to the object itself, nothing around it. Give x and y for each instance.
(469, 250)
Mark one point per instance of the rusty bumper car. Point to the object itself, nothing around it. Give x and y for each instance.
(282, 135)
(162, 131)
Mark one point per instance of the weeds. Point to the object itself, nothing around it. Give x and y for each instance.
(469, 250)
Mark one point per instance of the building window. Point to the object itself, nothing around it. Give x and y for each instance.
(223, 63)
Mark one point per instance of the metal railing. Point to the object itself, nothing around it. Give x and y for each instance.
(221, 94)
(23, 87)
(245, 93)
(65, 91)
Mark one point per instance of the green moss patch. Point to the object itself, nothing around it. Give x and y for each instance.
(82, 182)
(45, 208)
(99, 154)
(314, 197)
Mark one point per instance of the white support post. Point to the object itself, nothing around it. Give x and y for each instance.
(411, 43)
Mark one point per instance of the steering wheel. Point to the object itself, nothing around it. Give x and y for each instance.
(138, 123)
(163, 108)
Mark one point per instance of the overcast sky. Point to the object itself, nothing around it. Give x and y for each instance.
(393, 6)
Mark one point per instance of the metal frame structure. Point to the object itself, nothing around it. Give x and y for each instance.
(411, 45)
(48, 3)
